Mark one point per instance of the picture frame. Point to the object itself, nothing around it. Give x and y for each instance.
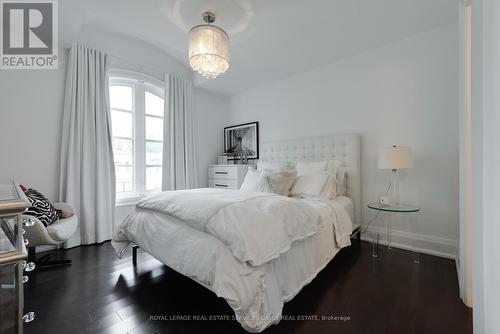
(242, 138)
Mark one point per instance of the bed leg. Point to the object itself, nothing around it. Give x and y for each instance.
(357, 237)
(134, 255)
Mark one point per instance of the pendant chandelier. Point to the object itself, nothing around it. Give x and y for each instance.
(208, 48)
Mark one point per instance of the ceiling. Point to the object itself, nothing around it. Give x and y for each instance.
(270, 39)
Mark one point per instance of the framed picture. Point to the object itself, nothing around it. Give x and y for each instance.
(242, 141)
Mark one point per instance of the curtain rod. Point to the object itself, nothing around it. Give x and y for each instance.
(141, 66)
(162, 71)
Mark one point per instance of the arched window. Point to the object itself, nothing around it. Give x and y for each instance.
(137, 111)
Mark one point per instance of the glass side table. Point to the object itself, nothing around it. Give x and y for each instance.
(395, 209)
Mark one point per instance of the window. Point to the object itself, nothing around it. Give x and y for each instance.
(137, 111)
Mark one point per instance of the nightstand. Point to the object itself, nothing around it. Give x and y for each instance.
(227, 176)
(394, 209)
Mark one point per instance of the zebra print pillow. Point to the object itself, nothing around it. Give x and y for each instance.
(41, 208)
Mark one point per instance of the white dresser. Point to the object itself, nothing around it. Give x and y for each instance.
(226, 176)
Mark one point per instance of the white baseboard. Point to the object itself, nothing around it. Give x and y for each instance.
(421, 243)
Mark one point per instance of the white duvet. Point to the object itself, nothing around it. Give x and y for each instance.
(226, 239)
(256, 226)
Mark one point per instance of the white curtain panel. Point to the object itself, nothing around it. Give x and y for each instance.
(87, 167)
(179, 160)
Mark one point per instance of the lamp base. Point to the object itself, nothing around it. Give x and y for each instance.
(394, 188)
(391, 197)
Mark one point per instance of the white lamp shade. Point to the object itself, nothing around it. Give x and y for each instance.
(396, 157)
(208, 50)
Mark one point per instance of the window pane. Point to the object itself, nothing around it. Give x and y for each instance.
(154, 128)
(124, 179)
(120, 97)
(122, 123)
(154, 153)
(154, 104)
(123, 151)
(153, 178)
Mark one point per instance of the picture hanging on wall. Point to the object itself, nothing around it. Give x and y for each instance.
(242, 141)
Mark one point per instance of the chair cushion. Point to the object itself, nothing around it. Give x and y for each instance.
(65, 209)
(41, 208)
(63, 229)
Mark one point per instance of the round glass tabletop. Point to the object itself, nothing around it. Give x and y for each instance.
(393, 208)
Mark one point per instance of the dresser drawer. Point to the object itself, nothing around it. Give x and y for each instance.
(223, 172)
(223, 184)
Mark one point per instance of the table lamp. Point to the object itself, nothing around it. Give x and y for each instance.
(395, 158)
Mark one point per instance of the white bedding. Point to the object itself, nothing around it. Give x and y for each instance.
(256, 226)
(347, 203)
(255, 293)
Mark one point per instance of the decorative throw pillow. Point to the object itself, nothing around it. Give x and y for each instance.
(41, 208)
(342, 181)
(338, 169)
(276, 182)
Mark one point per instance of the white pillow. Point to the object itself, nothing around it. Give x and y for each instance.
(335, 167)
(330, 190)
(275, 166)
(276, 182)
(309, 167)
(342, 181)
(251, 181)
(320, 185)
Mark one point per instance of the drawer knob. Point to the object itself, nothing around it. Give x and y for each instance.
(29, 266)
(25, 279)
(29, 317)
(28, 222)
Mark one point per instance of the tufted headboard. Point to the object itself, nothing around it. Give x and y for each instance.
(343, 147)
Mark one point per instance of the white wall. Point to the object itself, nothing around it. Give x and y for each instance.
(478, 264)
(486, 164)
(403, 93)
(31, 103)
(465, 134)
(212, 115)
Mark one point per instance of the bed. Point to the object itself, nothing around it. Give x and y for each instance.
(255, 279)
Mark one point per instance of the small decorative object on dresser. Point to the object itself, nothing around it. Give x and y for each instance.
(223, 158)
(226, 176)
(242, 141)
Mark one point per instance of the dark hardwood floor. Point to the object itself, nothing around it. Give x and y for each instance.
(100, 293)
